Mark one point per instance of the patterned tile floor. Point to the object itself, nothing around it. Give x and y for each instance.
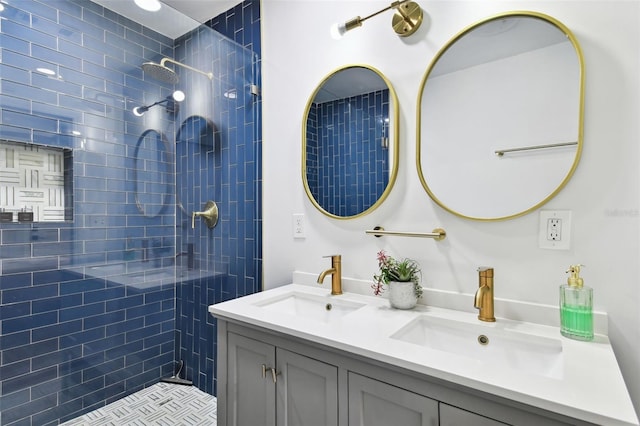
(162, 404)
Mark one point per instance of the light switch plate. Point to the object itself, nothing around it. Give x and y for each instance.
(555, 229)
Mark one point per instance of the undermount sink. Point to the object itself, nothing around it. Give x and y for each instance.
(317, 308)
(487, 344)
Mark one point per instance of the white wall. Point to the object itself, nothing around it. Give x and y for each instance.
(603, 194)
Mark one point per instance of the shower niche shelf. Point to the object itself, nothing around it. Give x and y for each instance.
(36, 183)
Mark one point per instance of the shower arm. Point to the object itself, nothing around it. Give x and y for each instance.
(208, 74)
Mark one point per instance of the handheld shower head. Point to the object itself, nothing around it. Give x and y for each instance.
(163, 73)
(171, 102)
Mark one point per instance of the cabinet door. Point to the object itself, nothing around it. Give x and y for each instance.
(251, 392)
(307, 391)
(452, 416)
(375, 403)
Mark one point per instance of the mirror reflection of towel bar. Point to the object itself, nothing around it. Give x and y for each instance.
(501, 152)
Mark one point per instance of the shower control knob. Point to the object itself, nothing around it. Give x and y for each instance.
(210, 215)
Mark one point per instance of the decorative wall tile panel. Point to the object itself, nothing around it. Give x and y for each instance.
(32, 179)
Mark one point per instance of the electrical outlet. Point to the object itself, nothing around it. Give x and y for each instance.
(555, 229)
(298, 226)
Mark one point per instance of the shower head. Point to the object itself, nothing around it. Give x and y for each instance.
(160, 72)
(163, 73)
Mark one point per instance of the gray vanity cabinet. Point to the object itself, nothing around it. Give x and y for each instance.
(266, 378)
(452, 416)
(252, 398)
(307, 391)
(376, 403)
(269, 386)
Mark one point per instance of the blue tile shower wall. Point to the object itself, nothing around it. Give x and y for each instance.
(88, 307)
(218, 158)
(86, 316)
(352, 146)
(241, 24)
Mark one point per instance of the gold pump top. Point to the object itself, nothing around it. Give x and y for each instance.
(574, 279)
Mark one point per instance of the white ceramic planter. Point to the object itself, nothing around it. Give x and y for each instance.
(402, 295)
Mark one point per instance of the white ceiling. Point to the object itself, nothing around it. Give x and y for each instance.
(175, 17)
(498, 39)
(349, 82)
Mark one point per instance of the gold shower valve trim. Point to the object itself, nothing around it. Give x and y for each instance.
(210, 215)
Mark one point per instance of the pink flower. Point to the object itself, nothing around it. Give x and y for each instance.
(382, 258)
(377, 288)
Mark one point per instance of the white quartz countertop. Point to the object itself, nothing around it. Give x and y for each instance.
(588, 386)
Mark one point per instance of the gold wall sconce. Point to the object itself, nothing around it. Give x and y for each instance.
(406, 19)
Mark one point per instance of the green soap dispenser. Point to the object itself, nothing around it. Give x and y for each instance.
(576, 307)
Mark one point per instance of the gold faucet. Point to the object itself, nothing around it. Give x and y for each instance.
(336, 274)
(484, 295)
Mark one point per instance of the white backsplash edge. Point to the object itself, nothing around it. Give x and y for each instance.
(536, 313)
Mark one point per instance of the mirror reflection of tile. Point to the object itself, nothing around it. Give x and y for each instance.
(347, 152)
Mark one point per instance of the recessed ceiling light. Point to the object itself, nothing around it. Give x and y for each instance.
(150, 5)
(46, 71)
(1, 7)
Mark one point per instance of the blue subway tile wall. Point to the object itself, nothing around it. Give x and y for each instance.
(241, 24)
(346, 135)
(103, 305)
(81, 323)
(217, 158)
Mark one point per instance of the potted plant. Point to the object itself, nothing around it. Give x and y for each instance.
(403, 279)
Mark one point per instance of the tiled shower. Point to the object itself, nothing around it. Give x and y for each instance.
(105, 302)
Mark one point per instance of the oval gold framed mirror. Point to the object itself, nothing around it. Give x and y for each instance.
(350, 142)
(500, 116)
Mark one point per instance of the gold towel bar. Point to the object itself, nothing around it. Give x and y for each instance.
(438, 234)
